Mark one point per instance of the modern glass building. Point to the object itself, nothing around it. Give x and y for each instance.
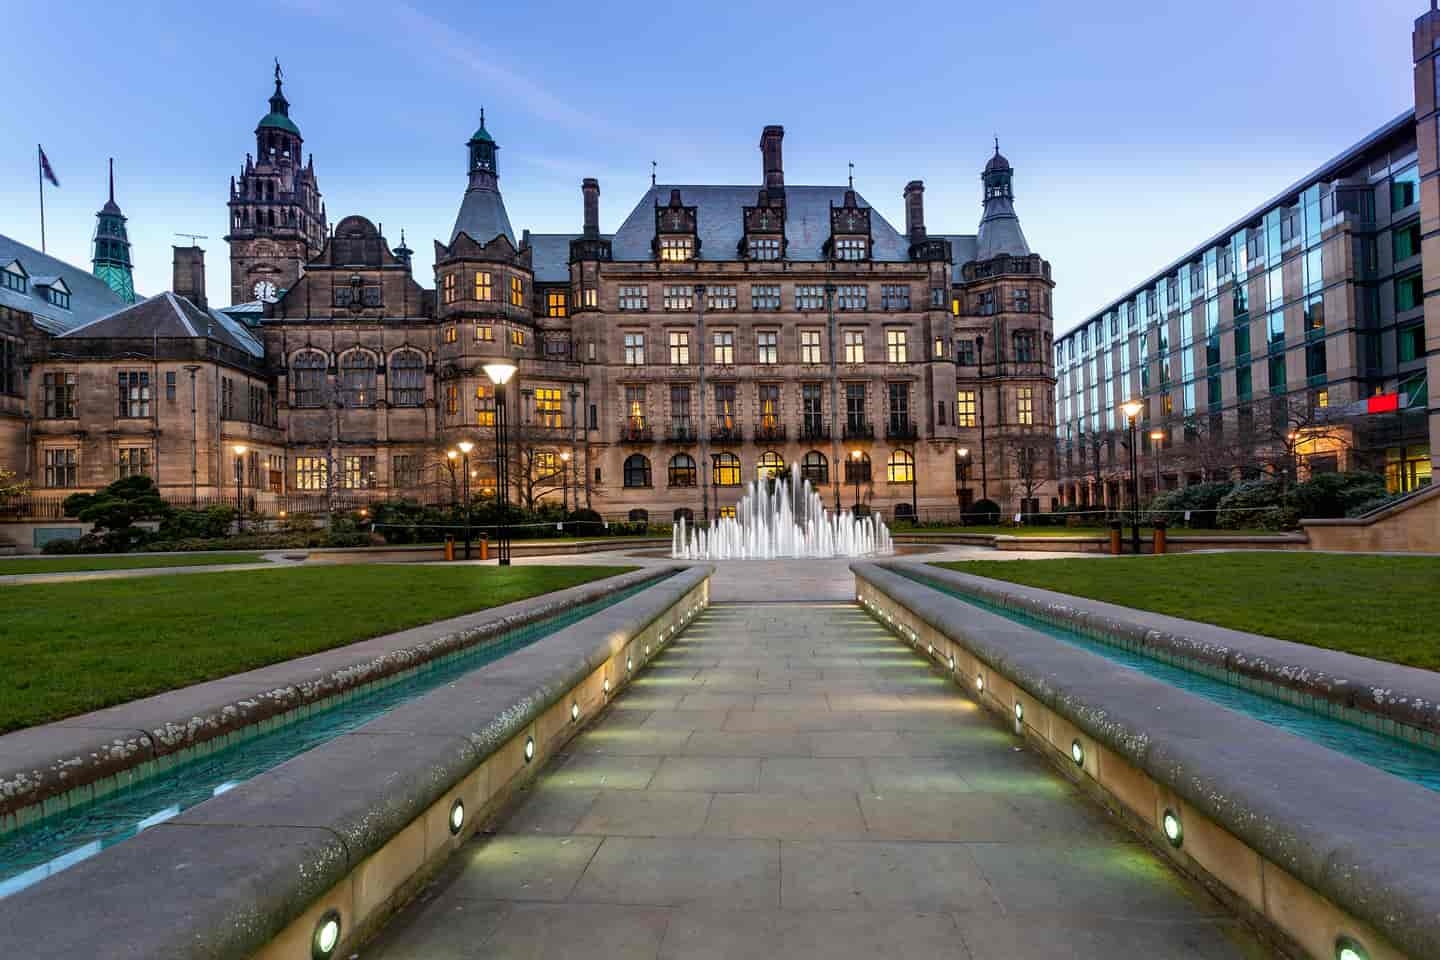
(1292, 340)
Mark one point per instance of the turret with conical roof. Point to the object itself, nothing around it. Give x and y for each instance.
(111, 259)
(482, 213)
(1000, 231)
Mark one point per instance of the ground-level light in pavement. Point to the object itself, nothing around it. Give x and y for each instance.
(1077, 753)
(326, 937)
(1348, 949)
(574, 712)
(457, 816)
(1174, 832)
(529, 749)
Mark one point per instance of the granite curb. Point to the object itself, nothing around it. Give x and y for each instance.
(1300, 805)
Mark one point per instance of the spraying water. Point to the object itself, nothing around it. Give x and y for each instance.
(783, 518)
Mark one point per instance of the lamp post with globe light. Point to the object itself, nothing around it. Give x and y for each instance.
(500, 374)
(465, 447)
(1131, 409)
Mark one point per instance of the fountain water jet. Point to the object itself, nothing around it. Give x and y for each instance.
(783, 518)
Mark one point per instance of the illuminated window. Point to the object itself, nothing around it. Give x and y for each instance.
(484, 290)
(517, 338)
(448, 289)
(557, 303)
(635, 405)
(634, 298)
(769, 406)
(485, 333)
(311, 473)
(357, 473)
(452, 399)
(589, 297)
(677, 248)
(965, 408)
(725, 471)
(679, 348)
(725, 512)
(1025, 405)
(134, 462)
(725, 406)
(545, 465)
(764, 249)
(896, 347)
(939, 348)
(765, 349)
(547, 406)
(679, 298)
(682, 470)
(724, 354)
(484, 405)
(634, 349)
(901, 467)
(852, 249)
(809, 346)
(854, 346)
(770, 467)
(451, 334)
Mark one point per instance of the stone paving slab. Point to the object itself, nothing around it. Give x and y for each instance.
(873, 811)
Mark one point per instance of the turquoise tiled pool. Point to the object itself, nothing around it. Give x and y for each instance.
(34, 852)
(1390, 754)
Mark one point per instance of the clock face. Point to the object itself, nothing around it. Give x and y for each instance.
(265, 291)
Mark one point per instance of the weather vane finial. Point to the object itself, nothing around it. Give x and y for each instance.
(997, 145)
(852, 175)
(279, 74)
(482, 116)
(653, 167)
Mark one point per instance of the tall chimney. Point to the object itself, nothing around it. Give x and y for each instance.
(770, 139)
(915, 210)
(189, 276)
(590, 187)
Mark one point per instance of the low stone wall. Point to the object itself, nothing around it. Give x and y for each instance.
(1177, 542)
(1411, 525)
(346, 833)
(1311, 847)
(47, 769)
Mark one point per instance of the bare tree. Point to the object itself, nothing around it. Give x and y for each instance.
(1032, 459)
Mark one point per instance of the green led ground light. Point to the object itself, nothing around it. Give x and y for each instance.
(1174, 832)
(326, 936)
(1348, 949)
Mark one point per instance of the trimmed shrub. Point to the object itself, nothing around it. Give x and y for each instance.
(1256, 504)
(1328, 495)
(1201, 499)
(983, 512)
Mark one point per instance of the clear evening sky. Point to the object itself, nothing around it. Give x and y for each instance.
(1136, 127)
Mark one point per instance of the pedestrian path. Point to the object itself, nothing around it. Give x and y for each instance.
(786, 780)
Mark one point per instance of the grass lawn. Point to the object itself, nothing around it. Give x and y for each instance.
(135, 562)
(66, 648)
(1381, 607)
(1086, 531)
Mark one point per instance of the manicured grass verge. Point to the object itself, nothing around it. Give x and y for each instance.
(1380, 607)
(66, 648)
(1089, 531)
(136, 562)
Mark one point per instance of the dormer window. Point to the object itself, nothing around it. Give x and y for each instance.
(677, 249)
(765, 248)
(850, 249)
(56, 292)
(13, 277)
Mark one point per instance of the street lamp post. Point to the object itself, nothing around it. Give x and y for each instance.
(450, 457)
(980, 393)
(962, 462)
(500, 374)
(564, 480)
(1132, 409)
(855, 456)
(1157, 437)
(465, 447)
(240, 486)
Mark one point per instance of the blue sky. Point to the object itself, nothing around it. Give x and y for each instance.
(1137, 127)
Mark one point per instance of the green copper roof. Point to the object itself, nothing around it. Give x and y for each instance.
(481, 134)
(279, 121)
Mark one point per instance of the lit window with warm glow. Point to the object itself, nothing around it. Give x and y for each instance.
(896, 346)
(965, 408)
(484, 405)
(854, 346)
(677, 248)
(1025, 405)
(901, 467)
(679, 348)
(485, 333)
(557, 303)
(483, 288)
(448, 289)
(809, 346)
(517, 292)
(547, 406)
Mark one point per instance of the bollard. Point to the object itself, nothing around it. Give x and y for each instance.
(449, 549)
(1159, 537)
(1115, 531)
(484, 547)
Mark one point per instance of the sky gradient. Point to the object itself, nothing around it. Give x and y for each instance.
(1136, 130)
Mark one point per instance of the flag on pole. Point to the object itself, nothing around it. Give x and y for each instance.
(45, 170)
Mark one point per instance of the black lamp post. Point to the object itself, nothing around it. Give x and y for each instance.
(465, 447)
(1132, 409)
(855, 462)
(962, 467)
(980, 390)
(564, 481)
(500, 374)
(1157, 437)
(240, 486)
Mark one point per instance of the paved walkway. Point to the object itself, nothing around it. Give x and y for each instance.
(787, 780)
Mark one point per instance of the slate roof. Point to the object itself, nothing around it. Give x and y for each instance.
(962, 248)
(550, 254)
(90, 297)
(169, 316)
(482, 216)
(720, 213)
(1000, 231)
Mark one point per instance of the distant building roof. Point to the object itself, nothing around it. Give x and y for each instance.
(962, 248)
(90, 297)
(169, 316)
(720, 215)
(550, 255)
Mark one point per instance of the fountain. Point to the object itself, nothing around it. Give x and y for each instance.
(782, 518)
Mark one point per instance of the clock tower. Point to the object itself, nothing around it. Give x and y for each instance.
(277, 220)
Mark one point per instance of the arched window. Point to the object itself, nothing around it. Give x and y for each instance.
(726, 470)
(307, 378)
(857, 469)
(771, 466)
(685, 514)
(901, 468)
(407, 378)
(637, 470)
(639, 515)
(682, 470)
(815, 468)
(357, 379)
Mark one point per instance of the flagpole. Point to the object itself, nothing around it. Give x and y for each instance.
(40, 176)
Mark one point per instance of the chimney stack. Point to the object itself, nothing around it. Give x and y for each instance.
(770, 140)
(590, 187)
(188, 280)
(915, 210)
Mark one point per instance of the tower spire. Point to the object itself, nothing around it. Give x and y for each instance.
(112, 179)
(110, 260)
